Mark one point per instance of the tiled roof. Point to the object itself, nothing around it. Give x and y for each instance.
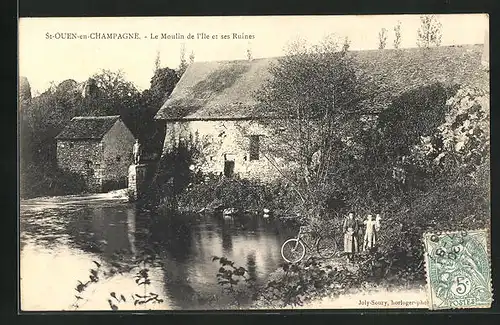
(87, 127)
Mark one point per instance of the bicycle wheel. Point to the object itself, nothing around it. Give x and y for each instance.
(293, 250)
(327, 247)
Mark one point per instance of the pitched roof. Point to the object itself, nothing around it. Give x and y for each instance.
(87, 127)
(225, 89)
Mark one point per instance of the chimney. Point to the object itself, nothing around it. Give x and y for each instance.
(485, 58)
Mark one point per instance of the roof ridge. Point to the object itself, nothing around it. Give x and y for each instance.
(414, 48)
(110, 117)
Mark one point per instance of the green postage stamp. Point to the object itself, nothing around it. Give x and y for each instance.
(458, 269)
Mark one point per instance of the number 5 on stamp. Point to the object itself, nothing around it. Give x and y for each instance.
(458, 269)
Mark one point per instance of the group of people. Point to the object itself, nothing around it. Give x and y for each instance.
(352, 234)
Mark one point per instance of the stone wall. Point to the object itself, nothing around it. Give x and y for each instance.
(137, 181)
(221, 141)
(84, 157)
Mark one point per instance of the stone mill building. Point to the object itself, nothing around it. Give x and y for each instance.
(99, 148)
(216, 103)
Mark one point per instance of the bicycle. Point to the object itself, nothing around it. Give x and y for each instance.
(293, 250)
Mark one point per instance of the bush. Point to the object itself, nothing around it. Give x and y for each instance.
(295, 284)
(211, 192)
(452, 204)
(36, 181)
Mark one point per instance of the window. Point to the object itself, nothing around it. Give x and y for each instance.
(229, 168)
(118, 158)
(254, 147)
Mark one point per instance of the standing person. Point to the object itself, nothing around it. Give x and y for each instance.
(377, 222)
(137, 151)
(350, 230)
(370, 234)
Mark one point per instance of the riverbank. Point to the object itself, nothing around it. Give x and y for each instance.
(337, 284)
(120, 194)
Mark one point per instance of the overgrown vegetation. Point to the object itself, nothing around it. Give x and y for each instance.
(422, 162)
(107, 92)
(235, 280)
(143, 297)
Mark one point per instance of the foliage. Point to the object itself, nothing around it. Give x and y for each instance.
(463, 140)
(382, 39)
(454, 153)
(415, 113)
(429, 33)
(296, 284)
(105, 93)
(141, 279)
(24, 91)
(397, 35)
(209, 192)
(150, 132)
(233, 279)
(183, 62)
(46, 181)
(98, 274)
(314, 86)
(81, 287)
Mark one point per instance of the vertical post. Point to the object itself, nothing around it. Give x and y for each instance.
(136, 181)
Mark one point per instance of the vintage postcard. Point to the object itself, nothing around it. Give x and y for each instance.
(256, 162)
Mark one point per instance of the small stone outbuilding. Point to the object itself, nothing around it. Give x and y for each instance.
(99, 148)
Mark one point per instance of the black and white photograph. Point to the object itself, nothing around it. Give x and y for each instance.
(254, 163)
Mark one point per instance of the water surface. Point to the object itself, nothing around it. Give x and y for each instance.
(62, 236)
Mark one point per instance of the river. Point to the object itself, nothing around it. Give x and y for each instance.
(62, 238)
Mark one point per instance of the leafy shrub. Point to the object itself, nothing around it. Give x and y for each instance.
(295, 284)
(38, 181)
(234, 279)
(212, 191)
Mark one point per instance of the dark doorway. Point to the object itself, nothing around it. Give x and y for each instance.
(228, 168)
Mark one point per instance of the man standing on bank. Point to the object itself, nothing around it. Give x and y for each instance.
(137, 151)
(350, 229)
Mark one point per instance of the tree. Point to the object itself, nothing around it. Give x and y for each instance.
(115, 95)
(413, 114)
(105, 93)
(183, 63)
(24, 91)
(157, 61)
(429, 33)
(397, 35)
(149, 131)
(382, 38)
(347, 44)
(161, 86)
(317, 90)
(249, 53)
(191, 57)
(462, 141)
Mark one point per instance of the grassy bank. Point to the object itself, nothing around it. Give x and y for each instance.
(214, 193)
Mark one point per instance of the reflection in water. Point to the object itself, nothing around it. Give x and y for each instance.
(227, 239)
(181, 246)
(252, 266)
(131, 231)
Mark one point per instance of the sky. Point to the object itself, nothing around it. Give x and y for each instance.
(44, 60)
